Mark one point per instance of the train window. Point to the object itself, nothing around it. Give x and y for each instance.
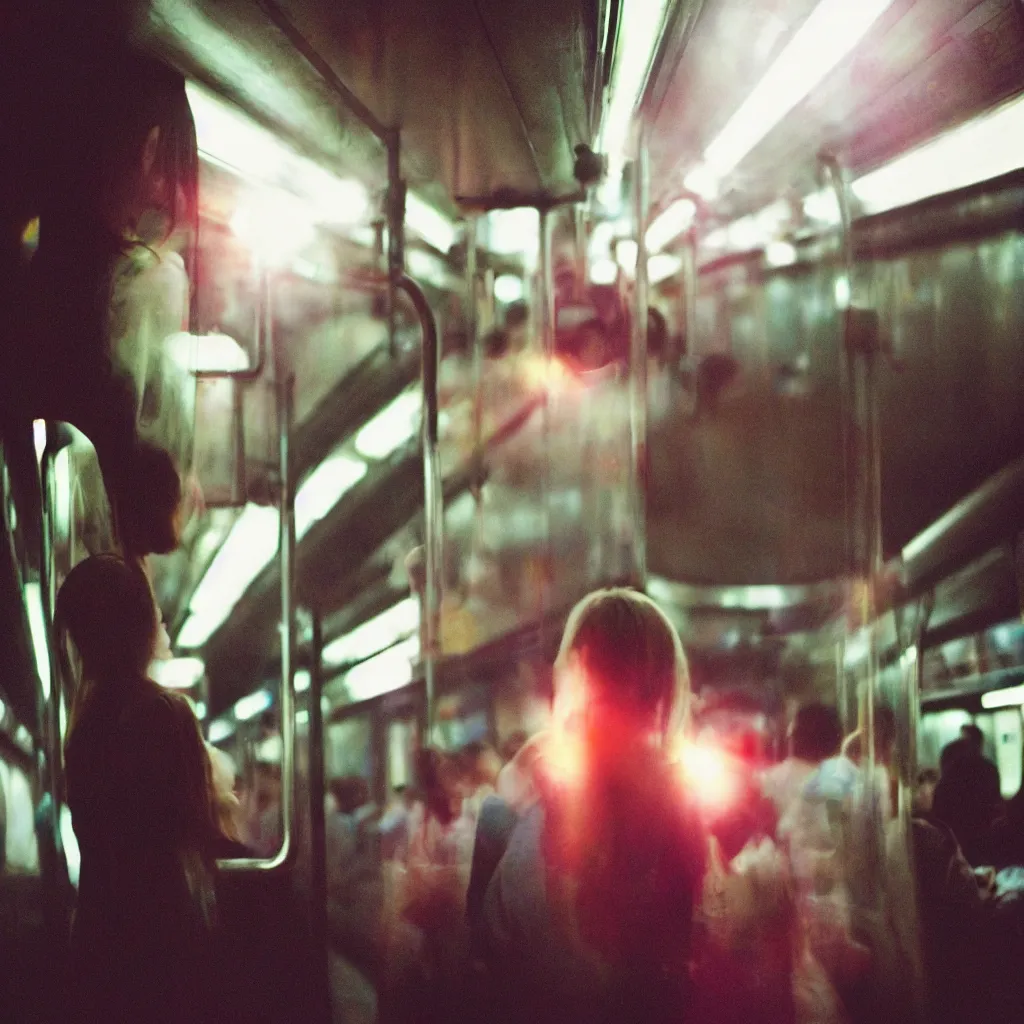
(402, 736)
(347, 748)
(21, 851)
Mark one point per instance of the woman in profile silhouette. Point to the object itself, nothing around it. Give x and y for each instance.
(140, 794)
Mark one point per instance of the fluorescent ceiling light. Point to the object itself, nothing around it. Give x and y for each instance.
(670, 224)
(822, 206)
(69, 841)
(220, 729)
(302, 717)
(508, 288)
(831, 32)
(324, 488)
(514, 232)
(227, 137)
(207, 353)
(201, 709)
(250, 545)
(275, 225)
(1013, 695)
(39, 438)
(984, 148)
(662, 266)
(430, 224)
(389, 670)
(23, 738)
(252, 705)
(253, 542)
(3, 710)
(398, 622)
(302, 680)
(641, 23)
(37, 627)
(392, 427)
(178, 673)
(625, 254)
(425, 266)
(780, 254)
(702, 180)
(604, 271)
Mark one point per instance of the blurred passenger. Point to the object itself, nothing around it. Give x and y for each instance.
(104, 291)
(924, 793)
(840, 777)
(814, 737)
(511, 746)
(975, 740)
(226, 803)
(430, 940)
(481, 767)
(588, 916)
(967, 799)
(261, 810)
(140, 794)
(956, 927)
(394, 824)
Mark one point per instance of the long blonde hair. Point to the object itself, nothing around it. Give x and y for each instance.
(620, 654)
(625, 852)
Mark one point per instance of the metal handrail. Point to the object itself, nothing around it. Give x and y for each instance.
(433, 493)
(284, 393)
(638, 370)
(965, 531)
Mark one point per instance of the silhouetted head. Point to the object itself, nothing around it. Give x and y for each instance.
(621, 664)
(816, 733)
(106, 608)
(974, 737)
(133, 148)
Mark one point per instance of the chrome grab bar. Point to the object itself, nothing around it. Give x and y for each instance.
(638, 372)
(433, 496)
(284, 387)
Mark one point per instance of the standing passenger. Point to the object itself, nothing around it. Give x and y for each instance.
(589, 914)
(139, 790)
(105, 290)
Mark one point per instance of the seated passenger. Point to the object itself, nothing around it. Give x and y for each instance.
(105, 290)
(588, 916)
(139, 790)
(967, 799)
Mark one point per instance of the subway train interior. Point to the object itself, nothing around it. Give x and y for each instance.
(484, 307)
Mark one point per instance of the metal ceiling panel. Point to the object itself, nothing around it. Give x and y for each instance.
(489, 98)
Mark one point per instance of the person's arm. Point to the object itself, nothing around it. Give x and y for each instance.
(494, 829)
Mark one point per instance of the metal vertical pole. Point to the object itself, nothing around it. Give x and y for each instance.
(433, 499)
(284, 388)
(48, 594)
(638, 372)
(546, 335)
(581, 253)
(285, 391)
(395, 215)
(317, 821)
(473, 337)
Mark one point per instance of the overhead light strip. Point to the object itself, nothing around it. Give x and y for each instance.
(986, 147)
(830, 33)
(372, 636)
(229, 138)
(253, 542)
(641, 25)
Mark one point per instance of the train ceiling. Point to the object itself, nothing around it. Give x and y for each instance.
(488, 97)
